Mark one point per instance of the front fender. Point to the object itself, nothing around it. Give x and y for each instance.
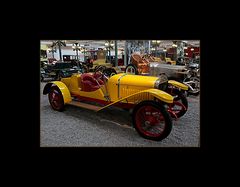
(62, 87)
(159, 94)
(178, 84)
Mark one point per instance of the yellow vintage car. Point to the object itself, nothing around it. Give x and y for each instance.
(152, 108)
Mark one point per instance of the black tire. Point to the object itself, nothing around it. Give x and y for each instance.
(58, 103)
(139, 123)
(131, 67)
(126, 109)
(179, 96)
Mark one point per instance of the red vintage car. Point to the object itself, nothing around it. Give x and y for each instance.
(139, 65)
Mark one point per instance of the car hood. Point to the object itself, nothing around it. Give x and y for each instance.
(133, 80)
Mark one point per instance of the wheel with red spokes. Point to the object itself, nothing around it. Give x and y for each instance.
(56, 99)
(151, 120)
(180, 104)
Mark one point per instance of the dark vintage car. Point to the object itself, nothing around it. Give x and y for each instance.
(59, 70)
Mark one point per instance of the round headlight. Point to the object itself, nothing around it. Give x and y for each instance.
(198, 72)
(161, 82)
(156, 84)
(163, 77)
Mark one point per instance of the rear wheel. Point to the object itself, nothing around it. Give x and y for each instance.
(56, 99)
(131, 69)
(151, 120)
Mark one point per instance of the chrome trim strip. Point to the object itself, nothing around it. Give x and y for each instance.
(119, 84)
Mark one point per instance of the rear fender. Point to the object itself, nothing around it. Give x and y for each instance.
(62, 87)
(178, 84)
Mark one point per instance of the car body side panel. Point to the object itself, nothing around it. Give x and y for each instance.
(161, 95)
(98, 94)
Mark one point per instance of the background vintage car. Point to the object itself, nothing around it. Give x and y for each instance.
(59, 70)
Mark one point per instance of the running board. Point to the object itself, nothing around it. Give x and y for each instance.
(84, 105)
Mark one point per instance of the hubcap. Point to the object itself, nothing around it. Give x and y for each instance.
(55, 99)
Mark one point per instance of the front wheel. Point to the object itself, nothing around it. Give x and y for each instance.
(180, 103)
(56, 99)
(151, 120)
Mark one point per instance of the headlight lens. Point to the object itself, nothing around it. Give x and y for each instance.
(198, 72)
(161, 82)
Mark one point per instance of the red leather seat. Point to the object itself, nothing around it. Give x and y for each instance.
(89, 82)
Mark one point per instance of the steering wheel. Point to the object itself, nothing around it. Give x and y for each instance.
(98, 72)
(99, 68)
(104, 71)
(108, 72)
